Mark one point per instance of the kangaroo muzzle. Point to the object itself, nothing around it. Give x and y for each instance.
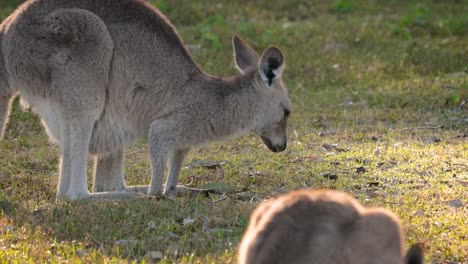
(275, 138)
(275, 146)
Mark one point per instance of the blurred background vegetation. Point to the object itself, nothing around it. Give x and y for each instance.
(335, 43)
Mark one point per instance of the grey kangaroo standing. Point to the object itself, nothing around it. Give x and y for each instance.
(323, 227)
(103, 73)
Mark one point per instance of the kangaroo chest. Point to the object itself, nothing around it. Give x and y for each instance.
(47, 111)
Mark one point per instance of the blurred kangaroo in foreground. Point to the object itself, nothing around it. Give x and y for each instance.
(103, 73)
(323, 227)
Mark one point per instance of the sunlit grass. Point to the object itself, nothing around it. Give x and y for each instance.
(385, 81)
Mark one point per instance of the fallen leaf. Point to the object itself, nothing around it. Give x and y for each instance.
(172, 235)
(326, 133)
(151, 225)
(153, 255)
(455, 203)
(360, 170)
(373, 184)
(418, 213)
(432, 140)
(329, 146)
(305, 159)
(188, 221)
(347, 103)
(127, 242)
(330, 176)
(386, 165)
(465, 183)
(257, 173)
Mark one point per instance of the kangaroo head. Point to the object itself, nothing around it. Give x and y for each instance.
(323, 226)
(273, 105)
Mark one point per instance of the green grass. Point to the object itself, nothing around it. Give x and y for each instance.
(359, 74)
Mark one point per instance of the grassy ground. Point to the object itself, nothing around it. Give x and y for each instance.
(379, 90)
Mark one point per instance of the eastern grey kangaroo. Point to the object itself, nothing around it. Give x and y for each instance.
(103, 73)
(323, 227)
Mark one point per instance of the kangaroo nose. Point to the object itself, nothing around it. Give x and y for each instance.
(279, 148)
(274, 147)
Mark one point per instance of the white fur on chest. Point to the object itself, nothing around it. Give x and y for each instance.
(47, 111)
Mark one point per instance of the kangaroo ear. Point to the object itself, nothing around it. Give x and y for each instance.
(271, 65)
(244, 55)
(415, 255)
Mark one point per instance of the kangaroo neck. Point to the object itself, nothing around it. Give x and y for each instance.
(230, 104)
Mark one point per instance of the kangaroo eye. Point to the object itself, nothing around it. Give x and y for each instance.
(286, 112)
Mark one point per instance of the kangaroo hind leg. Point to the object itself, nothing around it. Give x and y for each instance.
(6, 95)
(5, 105)
(108, 172)
(81, 52)
(81, 67)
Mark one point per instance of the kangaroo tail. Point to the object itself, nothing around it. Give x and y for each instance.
(6, 94)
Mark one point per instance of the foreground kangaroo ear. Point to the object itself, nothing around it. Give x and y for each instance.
(415, 255)
(271, 65)
(244, 55)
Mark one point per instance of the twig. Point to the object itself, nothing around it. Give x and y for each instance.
(450, 87)
(219, 200)
(460, 164)
(388, 202)
(280, 190)
(418, 128)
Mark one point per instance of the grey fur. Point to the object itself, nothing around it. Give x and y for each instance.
(323, 227)
(104, 73)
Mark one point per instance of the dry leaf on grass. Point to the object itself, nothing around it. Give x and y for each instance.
(188, 221)
(305, 159)
(456, 203)
(127, 242)
(330, 176)
(328, 146)
(360, 170)
(153, 255)
(151, 225)
(386, 165)
(335, 147)
(465, 183)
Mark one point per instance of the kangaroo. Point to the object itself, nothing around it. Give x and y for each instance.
(101, 74)
(323, 226)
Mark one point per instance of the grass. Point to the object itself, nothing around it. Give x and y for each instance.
(386, 81)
